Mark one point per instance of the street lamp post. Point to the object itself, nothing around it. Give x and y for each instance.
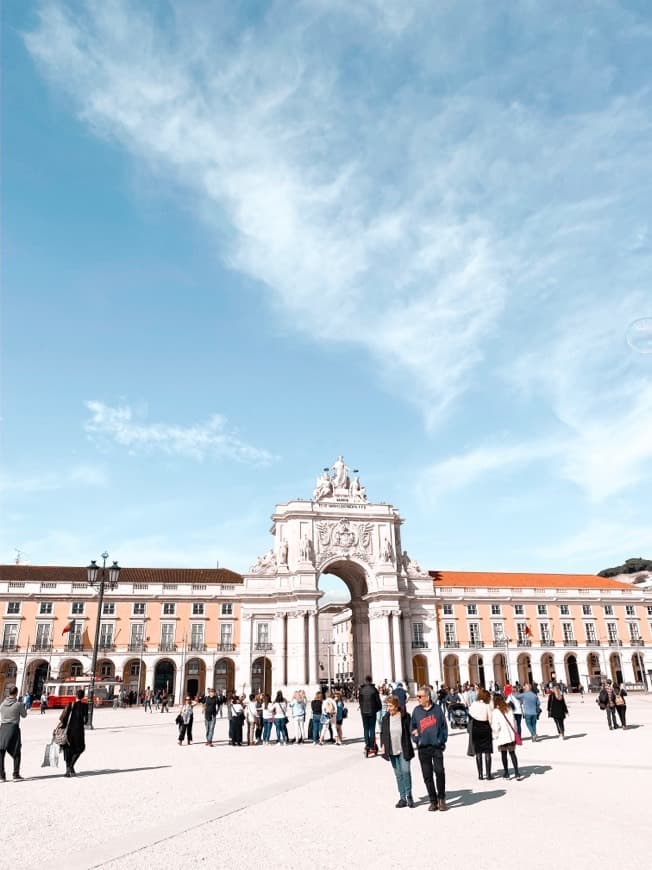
(102, 578)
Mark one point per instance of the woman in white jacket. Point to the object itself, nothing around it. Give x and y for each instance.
(504, 733)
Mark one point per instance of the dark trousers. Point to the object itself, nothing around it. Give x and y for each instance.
(16, 757)
(560, 726)
(431, 760)
(185, 730)
(369, 730)
(622, 715)
(611, 717)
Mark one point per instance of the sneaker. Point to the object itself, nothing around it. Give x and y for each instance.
(433, 807)
(520, 778)
(402, 803)
(442, 805)
(410, 801)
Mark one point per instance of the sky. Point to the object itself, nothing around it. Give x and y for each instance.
(239, 239)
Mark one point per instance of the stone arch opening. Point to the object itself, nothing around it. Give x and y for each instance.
(420, 670)
(451, 671)
(524, 668)
(105, 669)
(8, 672)
(164, 674)
(130, 673)
(500, 669)
(547, 667)
(476, 670)
(593, 668)
(638, 667)
(353, 574)
(36, 677)
(261, 675)
(195, 678)
(616, 667)
(224, 676)
(572, 671)
(70, 668)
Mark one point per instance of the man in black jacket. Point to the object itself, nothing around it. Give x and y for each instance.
(210, 714)
(370, 704)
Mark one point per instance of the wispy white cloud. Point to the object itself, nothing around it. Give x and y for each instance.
(602, 542)
(85, 475)
(212, 438)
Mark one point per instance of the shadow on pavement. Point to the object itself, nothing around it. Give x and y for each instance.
(575, 736)
(465, 797)
(85, 773)
(631, 727)
(534, 769)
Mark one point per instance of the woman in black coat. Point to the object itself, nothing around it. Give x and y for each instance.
(557, 709)
(74, 717)
(399, 752)
(621, 705)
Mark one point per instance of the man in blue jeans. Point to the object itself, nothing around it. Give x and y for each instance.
(210, 715)
(370, 704)
(429, 729)
(531, 709)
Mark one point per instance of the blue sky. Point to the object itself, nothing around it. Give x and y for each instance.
(240, 239)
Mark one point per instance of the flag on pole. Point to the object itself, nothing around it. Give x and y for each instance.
(528, 630)
(68, 627)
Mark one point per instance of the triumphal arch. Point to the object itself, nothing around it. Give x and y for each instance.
(338, 531)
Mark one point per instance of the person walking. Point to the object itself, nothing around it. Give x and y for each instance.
(184, 720)
(481, 738)
(44, 703)
(607, 701)
(315, 723)
(268, 719)
(210, 715)
(621, 705)
(237, 720)
(401, 694)
(73, 719)
(165, 700)
(340, 715)
(396, 747)
(370, 704)
(148, 700)
(517, 709)
(557, 709)
(503, 728)
(251, 713)
(11, 712)
(531, 709)
(428, 727)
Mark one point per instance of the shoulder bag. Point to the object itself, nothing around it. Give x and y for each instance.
(518, 740)
(60, 735)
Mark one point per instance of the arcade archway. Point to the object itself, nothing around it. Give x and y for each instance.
(261, 676)
(37, 675)
(8, 672)
(451, 671)
(164, 674)
(524, 668)
(195, 678)
(572, 671)
(224, 677)
(476, 670)
(420, 670)
(354, 576)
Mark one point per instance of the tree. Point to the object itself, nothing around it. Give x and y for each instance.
(631, 566)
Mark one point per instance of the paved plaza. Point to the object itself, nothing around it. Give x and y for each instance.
(140, 800)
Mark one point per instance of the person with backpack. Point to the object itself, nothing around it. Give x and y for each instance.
(370, 704)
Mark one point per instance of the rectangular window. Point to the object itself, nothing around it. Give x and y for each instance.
(448, 609)
(197, 608)
(495, 610)
(196, 634)
(262, 632)
(45, 608)
(608, 610)
(77, 608)
(472, 609)
(498, 630)
(226, 609)
(567, 628)
(449, 632)
(134, 669)
(138, 608)
(74, 636)
(167, 635)
(137, 634)
(589, 627)
(226, 633)
(10, 636)
(634, 633)
(649, 610)
(629, 610)
(106, 634)
(43, 635)
(544, 631)
(108, 608)
(564, 610)
(586, 610)
(13, 607)
(169, 608)
(542, 609)
(519, 610)
(417, 632)
(521, 629)
(474, 632)
(612, 632)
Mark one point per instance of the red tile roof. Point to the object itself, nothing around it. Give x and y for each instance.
(77, 574)
(505, 580)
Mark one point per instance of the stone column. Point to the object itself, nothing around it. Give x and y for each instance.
(244, 661)
(280, 663)
(313, 653)
(296, 648)
(399, 666)
(381, 660)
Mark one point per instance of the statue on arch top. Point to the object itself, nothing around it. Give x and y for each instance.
(357, 491)
(323, 488)
(340, 476)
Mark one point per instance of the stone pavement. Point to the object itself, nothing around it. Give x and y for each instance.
(140, 800)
